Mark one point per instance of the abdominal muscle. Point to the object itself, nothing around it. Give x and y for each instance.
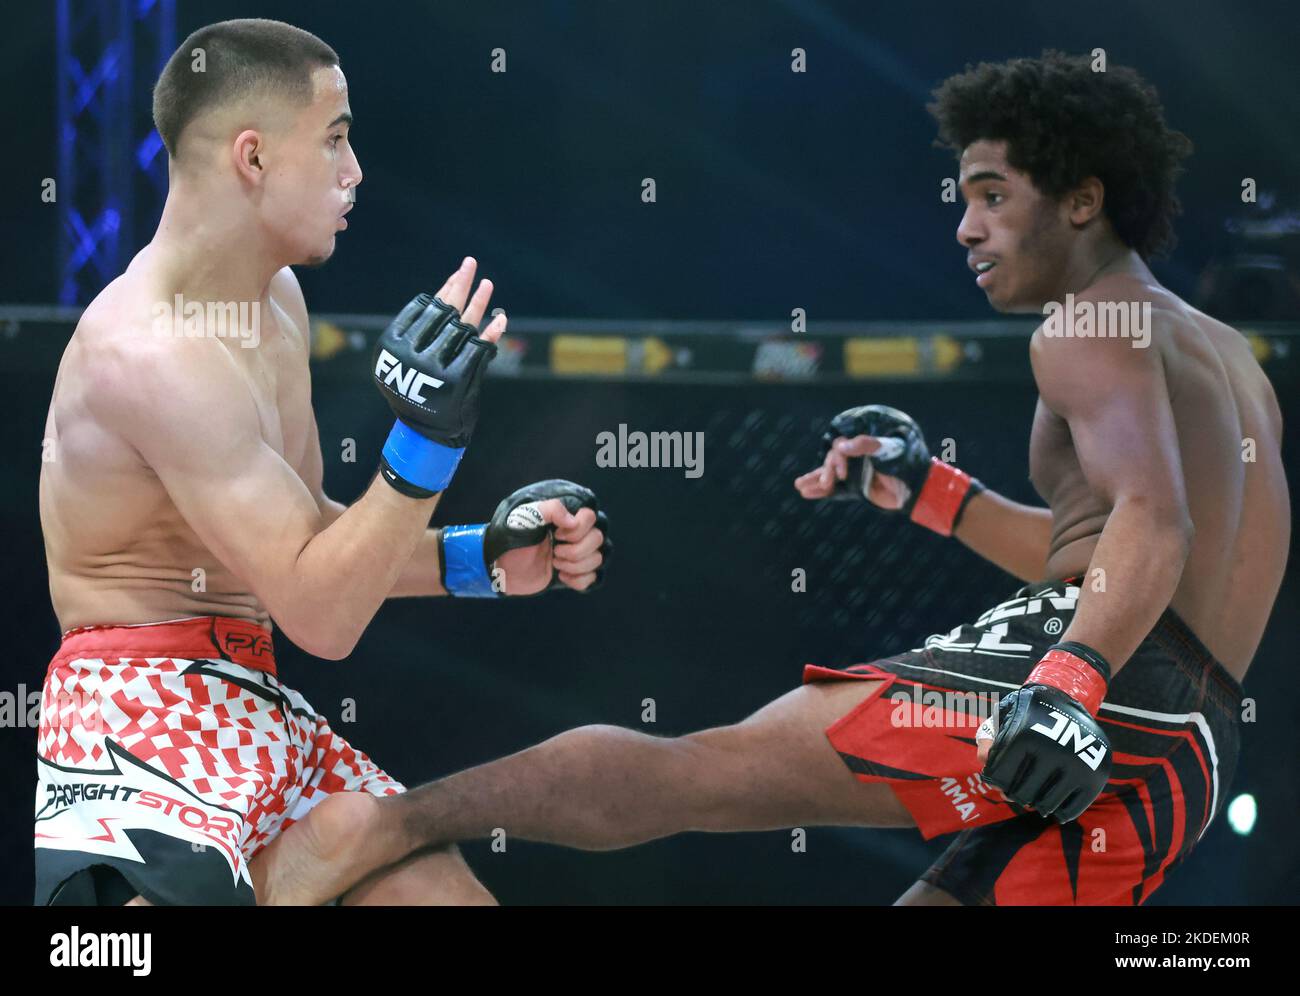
(117, 550)
(151, 580)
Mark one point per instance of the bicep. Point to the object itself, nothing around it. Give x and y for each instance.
(248, 508)
(313, 475)
(288, 295)
(199, 431)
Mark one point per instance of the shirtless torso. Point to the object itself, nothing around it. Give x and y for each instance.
(1228, 427)
(117, 548)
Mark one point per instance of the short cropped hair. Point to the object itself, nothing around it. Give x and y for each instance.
(1063, 122)
(239, 58)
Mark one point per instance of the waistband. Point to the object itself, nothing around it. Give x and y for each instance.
(1173, 635)
(195, 638)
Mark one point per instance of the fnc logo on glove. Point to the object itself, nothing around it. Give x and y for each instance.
(1066, 732)
(408, 383)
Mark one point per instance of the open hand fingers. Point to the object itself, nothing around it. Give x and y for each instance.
(838, 463)
(813, 484)
(496, 329)
(857, 446)
(477, 307)
(455, 291)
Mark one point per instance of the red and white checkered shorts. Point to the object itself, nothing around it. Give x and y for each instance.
(172, 754)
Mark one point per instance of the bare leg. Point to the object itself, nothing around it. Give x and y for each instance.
(304, 865)
(314, 861)
(603, 787)
(431, 878)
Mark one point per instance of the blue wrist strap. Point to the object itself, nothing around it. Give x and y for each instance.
(419, 460)
(464, 571)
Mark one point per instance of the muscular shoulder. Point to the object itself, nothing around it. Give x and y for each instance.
(1094, 349)
(146, 384)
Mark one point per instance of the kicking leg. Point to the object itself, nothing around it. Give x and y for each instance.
(604, 787)
(777, 769)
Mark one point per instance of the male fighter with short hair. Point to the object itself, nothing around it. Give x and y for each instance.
(183, 509)
(1162, 548)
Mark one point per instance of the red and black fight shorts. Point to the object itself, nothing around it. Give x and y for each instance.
(168, 756)
(1172, 715)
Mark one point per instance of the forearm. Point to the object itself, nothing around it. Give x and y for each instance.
(345, 571)
(1139, 559)
(423, 572)
(1015, 537)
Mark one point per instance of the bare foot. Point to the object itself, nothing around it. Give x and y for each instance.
(321, 856)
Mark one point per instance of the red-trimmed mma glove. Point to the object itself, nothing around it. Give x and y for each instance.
(936, 492)
(1049, 752)
(469, 553)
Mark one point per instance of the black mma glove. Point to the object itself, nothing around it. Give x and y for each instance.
(429, 366)
(937, 492)
(468, 552)
(1049, 753)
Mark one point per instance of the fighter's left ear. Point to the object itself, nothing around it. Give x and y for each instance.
(246, 154)
(1085, 201)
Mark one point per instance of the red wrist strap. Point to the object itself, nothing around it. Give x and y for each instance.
(1072, 675)
(940, 499)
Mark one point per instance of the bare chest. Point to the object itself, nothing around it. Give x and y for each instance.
(1053, 465)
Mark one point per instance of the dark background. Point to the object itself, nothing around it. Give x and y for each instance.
(775, 191)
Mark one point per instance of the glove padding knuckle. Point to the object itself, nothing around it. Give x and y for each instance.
(1049, 754)
(437, 318)
(457, 334)
(572, 496)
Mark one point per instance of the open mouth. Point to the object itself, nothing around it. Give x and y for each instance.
(983, 272)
